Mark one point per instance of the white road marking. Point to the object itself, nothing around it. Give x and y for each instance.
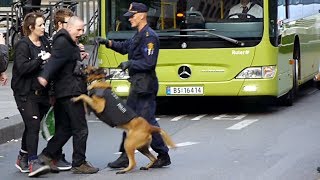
(198, 117)
(242, 124)
(178, 118)
(188, 143)
(94, 121)
(1, 156)
(230, 117)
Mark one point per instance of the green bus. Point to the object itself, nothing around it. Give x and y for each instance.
(205, 51)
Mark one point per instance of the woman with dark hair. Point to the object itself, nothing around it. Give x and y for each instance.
(30, 55)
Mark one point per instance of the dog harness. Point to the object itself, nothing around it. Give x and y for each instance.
(116, 112)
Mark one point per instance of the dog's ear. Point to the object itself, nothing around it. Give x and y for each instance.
(88, 70)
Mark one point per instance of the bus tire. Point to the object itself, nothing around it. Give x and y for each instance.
(287, 99)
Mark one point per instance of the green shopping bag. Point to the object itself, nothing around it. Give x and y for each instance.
(48, 125)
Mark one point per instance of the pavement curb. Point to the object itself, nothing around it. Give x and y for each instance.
(11, 128)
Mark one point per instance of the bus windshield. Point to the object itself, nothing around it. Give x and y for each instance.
(226, 23)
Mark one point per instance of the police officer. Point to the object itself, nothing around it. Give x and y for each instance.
(142, 50)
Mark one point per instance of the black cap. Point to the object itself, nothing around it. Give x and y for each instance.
(136, 8)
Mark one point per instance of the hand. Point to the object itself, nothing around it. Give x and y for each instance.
(84, 55)
(81, 47)
(3, 78)
(124, 65)
(42, 81)
(101, 40)
(52, 100)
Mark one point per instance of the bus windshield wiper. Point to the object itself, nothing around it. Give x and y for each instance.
(207, 31)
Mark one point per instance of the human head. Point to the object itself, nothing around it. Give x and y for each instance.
(61, 18)
(75, 27)
(244, 2)
(33, 23)
(137, 14)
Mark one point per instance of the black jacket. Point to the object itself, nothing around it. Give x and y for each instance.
(64, 56)
(27, 66)
(4, 59)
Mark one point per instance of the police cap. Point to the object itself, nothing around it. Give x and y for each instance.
(136, 8)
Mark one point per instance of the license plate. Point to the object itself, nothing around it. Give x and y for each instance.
(193, 90)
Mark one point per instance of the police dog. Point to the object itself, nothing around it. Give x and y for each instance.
(139, 131)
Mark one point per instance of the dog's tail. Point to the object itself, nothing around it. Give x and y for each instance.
(165, 136)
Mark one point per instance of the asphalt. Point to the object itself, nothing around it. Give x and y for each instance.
(11, 124)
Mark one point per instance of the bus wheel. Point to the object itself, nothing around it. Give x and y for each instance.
(287, 99)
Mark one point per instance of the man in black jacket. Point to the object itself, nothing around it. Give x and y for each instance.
(70, 117)
(4, 59)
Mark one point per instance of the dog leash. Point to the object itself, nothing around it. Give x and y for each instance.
(93, 58)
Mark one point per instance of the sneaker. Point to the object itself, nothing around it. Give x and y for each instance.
(22, 163)
(62, 163)
(121, 162)
(85, 168)
(48, 161)
(37, 168)
(163, 160)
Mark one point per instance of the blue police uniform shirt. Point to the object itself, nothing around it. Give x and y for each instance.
(142, 50)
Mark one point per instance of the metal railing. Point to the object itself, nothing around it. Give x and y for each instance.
(88, 10)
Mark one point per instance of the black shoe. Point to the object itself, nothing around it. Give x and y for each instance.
(163, 160)
(48, 161)
(121, 162)
(62, 163)
(318, 169)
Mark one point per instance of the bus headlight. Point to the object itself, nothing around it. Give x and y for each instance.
(119, 74)
(264, 72)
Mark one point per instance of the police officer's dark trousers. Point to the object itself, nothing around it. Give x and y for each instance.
(70, 121)
(32, 109)
(145, 106)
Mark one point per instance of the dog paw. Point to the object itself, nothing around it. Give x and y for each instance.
(74, 99)
(120, 172)
(144, 168)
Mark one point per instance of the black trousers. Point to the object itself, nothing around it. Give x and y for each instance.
(70, 121)
(145, 106)
(32, 109)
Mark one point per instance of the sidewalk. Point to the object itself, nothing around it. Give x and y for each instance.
(11, 124)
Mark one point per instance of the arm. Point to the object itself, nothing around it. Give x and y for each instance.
(60, 55)
(121, 47)
(25, 65)
(4, 59)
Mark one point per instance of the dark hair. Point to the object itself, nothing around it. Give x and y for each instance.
(60, 15)
(30, 20)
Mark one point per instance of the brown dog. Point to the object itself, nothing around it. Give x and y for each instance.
(139, 131)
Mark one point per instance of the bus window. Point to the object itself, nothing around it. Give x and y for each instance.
(167, 15)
